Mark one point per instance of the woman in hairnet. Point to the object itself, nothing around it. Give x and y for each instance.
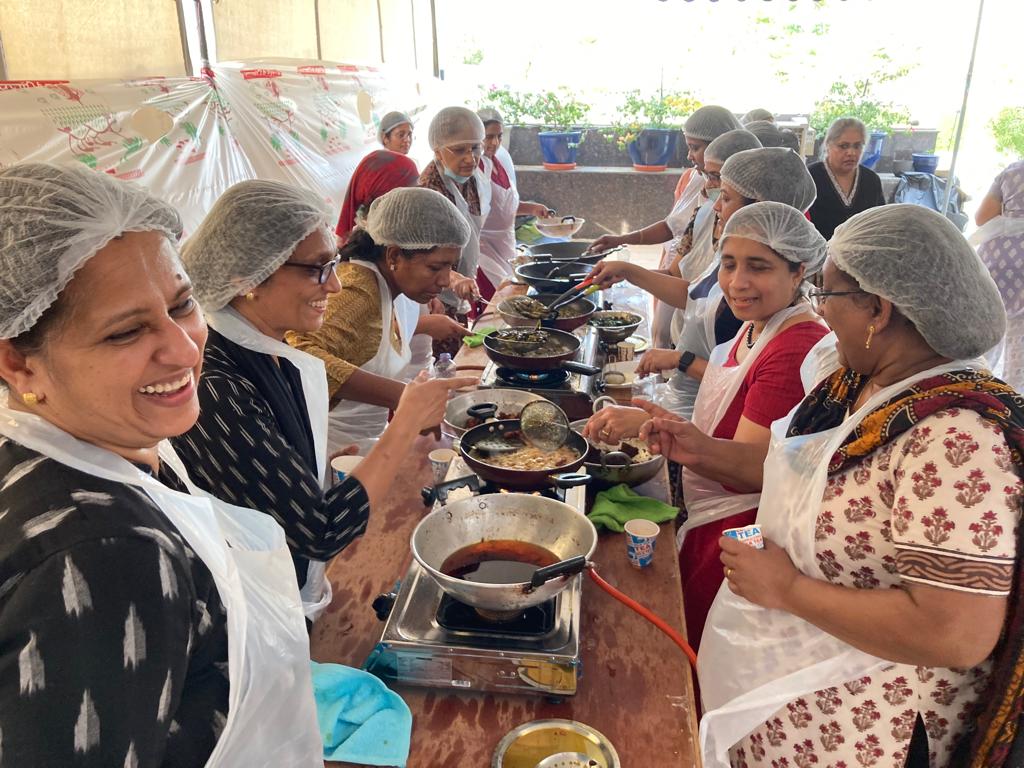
(881, 623)
(263, 261)
(401, 258)
(701, 128)
(395, 132)
(498, 237)
(127, 590)
(767, 252)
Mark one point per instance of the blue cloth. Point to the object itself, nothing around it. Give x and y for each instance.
(361, 720)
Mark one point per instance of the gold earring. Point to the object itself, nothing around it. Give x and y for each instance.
(394, 266)
(250, 296)
(871, 333)
(30, 399)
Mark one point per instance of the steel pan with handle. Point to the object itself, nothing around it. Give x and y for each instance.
(570, 250)
(579, 312)
(553, 276)
(547, 523)
(522, 479)
(542, 360)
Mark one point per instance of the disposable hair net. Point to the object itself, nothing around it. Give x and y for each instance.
(416, 218)
(773, 173)
(710, 122)
(782, 228)
(389, 122)
(728, 144)
(454, 125)
(757, 115)
(52, 220)
(919, 260)
(789, 140)
(489, 115)
(248, 234)
(766, 133)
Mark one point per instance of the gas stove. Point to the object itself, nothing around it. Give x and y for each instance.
(431, 640)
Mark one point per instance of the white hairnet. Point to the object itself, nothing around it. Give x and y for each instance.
(919, 260)
(782, 228)
(416, 218)
(454, 125)
(728, 144)
(489, 115)
(55, 218)
(389, 122)
(757, 115)
(771, 173)
(767, 133)
(248, 234)
(710, 122)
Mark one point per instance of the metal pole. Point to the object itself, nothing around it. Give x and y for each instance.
(963, 112)
(316, 18)
(3, 60)
(204, 53)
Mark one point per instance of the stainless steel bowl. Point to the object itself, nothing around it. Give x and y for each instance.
(617, 332)
(607, 475)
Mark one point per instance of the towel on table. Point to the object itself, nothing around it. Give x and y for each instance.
(476, 338)
(361, 720)
(617, 506)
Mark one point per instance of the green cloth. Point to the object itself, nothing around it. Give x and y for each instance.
(528, 233)
(476, 338)
(617, 506)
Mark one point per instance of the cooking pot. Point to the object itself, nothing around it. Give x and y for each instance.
(510, 401)
(554, 276)
(559, 353)
(577, 313)
(610, 468)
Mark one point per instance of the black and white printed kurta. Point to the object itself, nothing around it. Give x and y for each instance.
(253, 447)
(113, 639)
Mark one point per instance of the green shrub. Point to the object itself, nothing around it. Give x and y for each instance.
(1008, 130)
(664, 110)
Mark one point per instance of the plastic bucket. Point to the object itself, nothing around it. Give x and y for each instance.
(559, 149)
(873, 150)
(653, 148)
(925, 162)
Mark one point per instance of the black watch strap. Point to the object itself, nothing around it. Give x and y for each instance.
(685, 361)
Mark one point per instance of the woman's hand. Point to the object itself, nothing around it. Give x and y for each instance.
(613, 423)
(608, 273)
(535, 209)
(348, 450)
(465, 287)
(672, 436)
(765, 577)
(605, 243)
(441, 327)
(658, 360)
(424, 400)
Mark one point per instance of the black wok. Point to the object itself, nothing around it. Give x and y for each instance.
(557, 353)
(570, 250)
(522, 479)
(568, 274)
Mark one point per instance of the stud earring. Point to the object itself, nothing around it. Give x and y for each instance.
(30, 399)
(250, 296)
(871, 333)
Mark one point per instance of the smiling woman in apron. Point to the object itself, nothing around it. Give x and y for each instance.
(882, 623)
(401, 259)
(142, 622)
(498, 237)
(263, 262)
(767, 251)
(456, 136)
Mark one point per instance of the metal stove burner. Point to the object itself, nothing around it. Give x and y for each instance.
(516, 378)
(535, 621)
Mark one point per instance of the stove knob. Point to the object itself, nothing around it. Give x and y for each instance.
(429, 495)
(382, 605)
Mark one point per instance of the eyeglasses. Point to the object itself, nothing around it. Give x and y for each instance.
(818, 298)
(465, 150)
(322, 271)
(847, 146)
(712, 176)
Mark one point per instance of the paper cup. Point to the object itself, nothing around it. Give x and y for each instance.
(342, 465)
(640, 536)
(625, 351)
(440, 460)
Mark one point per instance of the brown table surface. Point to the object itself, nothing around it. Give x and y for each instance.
(636, 685)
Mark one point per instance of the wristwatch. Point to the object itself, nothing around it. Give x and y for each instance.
(685, 361)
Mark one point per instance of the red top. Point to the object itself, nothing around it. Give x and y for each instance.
(772, 386)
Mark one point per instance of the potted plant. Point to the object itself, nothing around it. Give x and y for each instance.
(649, 127)
(563, 112)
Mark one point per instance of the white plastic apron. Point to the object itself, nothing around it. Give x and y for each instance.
(421, 350)
(706, 500)
(349, 421)
(702, 249)
(470, 259)
(820, 363)
(753, 660)
(997, 226)
(271, 717)
(316, 592)
(677, 219)
(697, 335)
(498, 236)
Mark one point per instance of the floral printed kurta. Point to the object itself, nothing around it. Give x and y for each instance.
(936, 506)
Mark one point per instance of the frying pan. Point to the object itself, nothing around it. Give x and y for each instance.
(542, 360)
(522, 479)
(569, 274)
(580, 311)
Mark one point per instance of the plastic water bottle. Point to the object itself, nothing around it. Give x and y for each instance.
(444, 368)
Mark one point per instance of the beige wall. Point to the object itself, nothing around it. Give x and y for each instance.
(350, 31)
(250, 29)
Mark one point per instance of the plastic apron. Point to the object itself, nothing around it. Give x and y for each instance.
(702, 250)
(753, 660)
(697, 335)
(997, 226)
(707, 500)
(349, 421)
(470, 259)
(498, 236)
(271, 717)
(677, 219)
(820, 363)
(316, 593)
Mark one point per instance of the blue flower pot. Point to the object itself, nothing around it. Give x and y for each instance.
(559, 149)
(925, 162)
(653, 148)
(873, 150)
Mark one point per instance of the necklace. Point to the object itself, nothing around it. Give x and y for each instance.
(750, 336)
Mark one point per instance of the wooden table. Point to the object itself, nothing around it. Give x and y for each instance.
(636, 684)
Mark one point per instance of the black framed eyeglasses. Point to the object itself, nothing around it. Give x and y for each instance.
(322, 271)
(818, 298)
